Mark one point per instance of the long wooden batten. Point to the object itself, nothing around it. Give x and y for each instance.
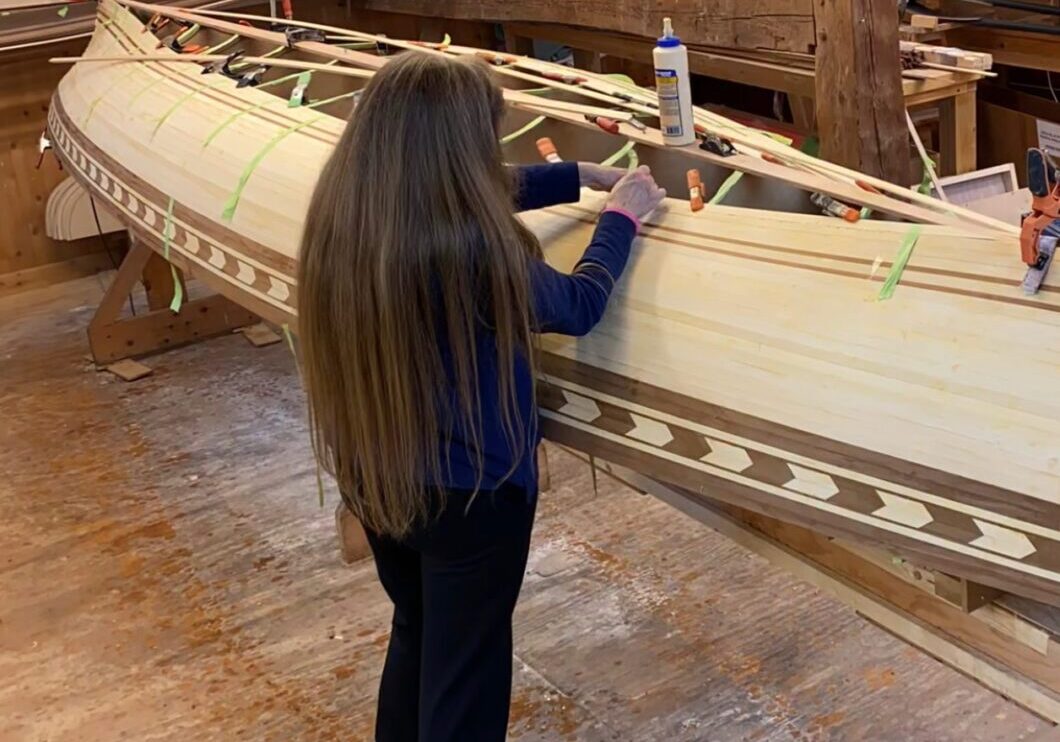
(745, 355)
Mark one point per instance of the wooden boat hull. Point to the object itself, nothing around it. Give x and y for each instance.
(745, 355)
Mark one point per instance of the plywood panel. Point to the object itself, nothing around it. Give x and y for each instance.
(28, 82)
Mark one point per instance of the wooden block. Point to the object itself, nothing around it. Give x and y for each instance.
(353, 542)
(129, 370)
(919, 20)
(261, 335)
(966, 595)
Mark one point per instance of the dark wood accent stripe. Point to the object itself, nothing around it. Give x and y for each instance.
(879, 278)
(701, 484)
(808, 445)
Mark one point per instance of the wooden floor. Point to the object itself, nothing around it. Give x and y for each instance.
(167, 573)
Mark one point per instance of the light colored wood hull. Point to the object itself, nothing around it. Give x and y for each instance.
(744, 356)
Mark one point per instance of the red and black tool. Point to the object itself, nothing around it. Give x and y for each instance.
(1041, 226)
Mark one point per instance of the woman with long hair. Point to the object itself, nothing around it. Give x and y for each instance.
(420, 292)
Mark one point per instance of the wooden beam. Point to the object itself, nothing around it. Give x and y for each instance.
(859, 88)
(766, 24)
(788, 79)
(1017, 48)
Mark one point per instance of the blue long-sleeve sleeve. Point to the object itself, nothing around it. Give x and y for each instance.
(572, 304)
(540, 186)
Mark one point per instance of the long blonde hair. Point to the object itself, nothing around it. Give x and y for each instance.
(411, 237)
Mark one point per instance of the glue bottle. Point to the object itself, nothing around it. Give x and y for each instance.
(672, 85)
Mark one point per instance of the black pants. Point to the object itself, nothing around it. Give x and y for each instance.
(448, 672)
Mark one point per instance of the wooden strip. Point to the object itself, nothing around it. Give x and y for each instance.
(200, 58)
(801, 443)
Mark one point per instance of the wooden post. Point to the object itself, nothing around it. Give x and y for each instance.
(957, 133)
(858, 88)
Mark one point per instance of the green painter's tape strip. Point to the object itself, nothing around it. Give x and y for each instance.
(230, 120)
(298, 93)
(239, 66)
(290, 338)
(620, 78)
(181, 101)
(904, 253)
(187, 35)
(534, 123)
(925, 181)
(233, 200)
(250, 109)
(168, 228)
(223, 45)
(178, 290)
(633, 160)
(725, 187)
(624, 151)
(332, 99)
(143, 90)
(116, 84)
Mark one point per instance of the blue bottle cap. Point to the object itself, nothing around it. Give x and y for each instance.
(668, 41)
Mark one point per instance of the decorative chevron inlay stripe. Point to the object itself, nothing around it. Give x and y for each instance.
(140, 210)
(923, 516)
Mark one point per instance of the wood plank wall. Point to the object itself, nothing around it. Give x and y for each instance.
(785, 25)
(28, 83)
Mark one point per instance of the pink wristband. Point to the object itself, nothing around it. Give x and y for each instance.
(628, 214)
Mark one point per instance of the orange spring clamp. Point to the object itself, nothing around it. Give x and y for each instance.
(868, 187)
(695, 190)
(547, 150)
(608, 125)
(562, 77)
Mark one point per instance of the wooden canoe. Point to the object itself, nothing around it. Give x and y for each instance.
(746, 355)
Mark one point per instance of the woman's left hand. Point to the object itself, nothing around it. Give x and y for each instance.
(598, 177)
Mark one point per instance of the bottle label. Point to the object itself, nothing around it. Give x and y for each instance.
(669, 102)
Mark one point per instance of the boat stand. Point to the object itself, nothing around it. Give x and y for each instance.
(112, 337)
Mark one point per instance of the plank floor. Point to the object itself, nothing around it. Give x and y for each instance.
(166, 573)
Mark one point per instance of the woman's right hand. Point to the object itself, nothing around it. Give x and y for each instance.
(637, 192)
